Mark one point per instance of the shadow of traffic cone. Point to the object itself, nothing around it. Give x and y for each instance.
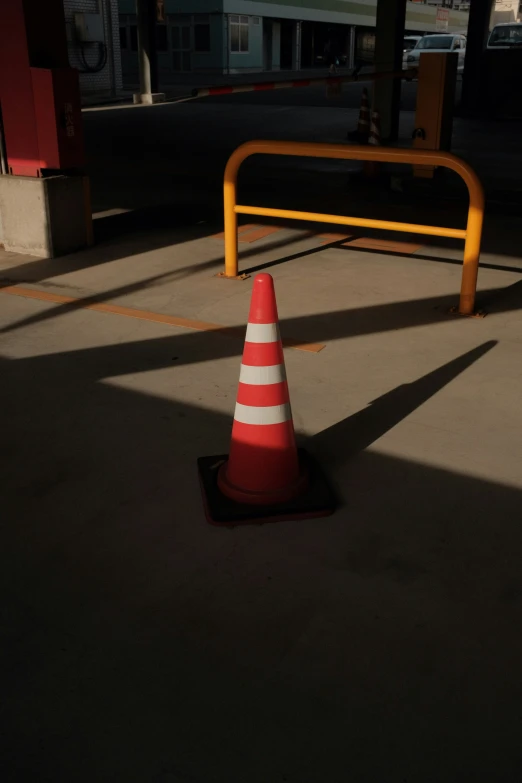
(363, 125)
(371, 168)
(265, 476)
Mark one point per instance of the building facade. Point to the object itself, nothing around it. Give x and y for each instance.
(242, 36)
(93, 43)
(505, 11)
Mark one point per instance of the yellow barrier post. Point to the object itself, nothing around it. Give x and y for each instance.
(471, 235)
(435, 104)
(229, 201)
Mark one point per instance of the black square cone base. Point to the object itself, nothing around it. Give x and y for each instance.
(317, 500)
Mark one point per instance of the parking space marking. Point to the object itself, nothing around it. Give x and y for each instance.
(329, 238)
(384, 245)
(251, 232)
(147, 315)
(260, 233)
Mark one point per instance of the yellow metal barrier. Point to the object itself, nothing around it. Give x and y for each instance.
(472, 234)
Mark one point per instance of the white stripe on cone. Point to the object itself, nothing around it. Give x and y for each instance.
(262, 376)
(262, 333)
(268, 414)
(375, 131)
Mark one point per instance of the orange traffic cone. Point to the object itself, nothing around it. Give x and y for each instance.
(265, 476)
(375, 130)
(363, 125)
(372, 167)
(263, 466)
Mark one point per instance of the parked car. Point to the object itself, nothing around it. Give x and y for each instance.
(505, 36)
(439, 43)
(410, 41)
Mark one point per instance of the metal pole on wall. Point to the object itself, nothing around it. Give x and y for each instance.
(146, 24)
(109, 36)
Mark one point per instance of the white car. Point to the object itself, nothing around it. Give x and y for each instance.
(410, 41)
(439, 43)
(505, 36)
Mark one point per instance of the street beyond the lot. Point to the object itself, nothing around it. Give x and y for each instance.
(315, 95)
(174, 154)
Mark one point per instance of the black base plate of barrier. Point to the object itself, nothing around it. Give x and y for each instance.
(318, 499)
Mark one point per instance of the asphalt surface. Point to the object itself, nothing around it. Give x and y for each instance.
(174, 154)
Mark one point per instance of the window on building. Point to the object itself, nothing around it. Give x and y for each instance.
(133, 38)
(365, 47)
(185, 37)
(238, 33)
(201, 36)
(180, 37)
(123, 37)
(161, 38)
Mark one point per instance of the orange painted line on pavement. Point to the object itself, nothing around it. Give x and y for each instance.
(385, 245)
(329, 238)
(260, 233)
(241, 230)
(146, 315)
(250, 232)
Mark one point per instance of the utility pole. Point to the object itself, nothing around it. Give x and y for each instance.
(389, 36)
(478, 29)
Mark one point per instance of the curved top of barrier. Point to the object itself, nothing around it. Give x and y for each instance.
(360, 152)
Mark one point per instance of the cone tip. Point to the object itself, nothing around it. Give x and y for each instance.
(263, 308)
(263, 279)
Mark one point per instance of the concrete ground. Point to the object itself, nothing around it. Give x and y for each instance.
(141, 644)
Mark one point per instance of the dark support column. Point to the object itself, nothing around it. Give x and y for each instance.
(296, 46)
(389, 35)
(146, 22)
(351, 48)
(478, 28)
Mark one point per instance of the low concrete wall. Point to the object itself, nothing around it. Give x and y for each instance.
(45, 217)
